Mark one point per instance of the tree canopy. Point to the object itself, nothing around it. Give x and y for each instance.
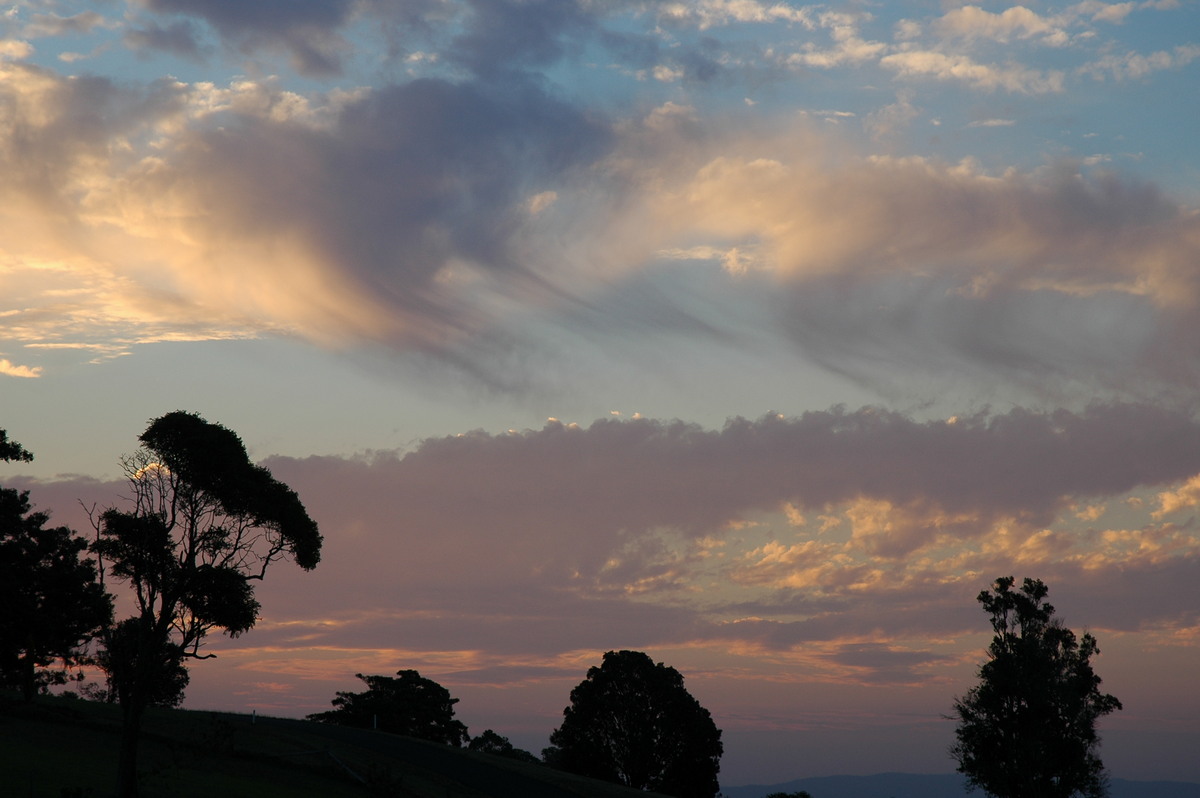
(407, 704)
(51, 603)
(205, 522)
(11, 450)
(1028, 729)
(492, 743)
(632, 722)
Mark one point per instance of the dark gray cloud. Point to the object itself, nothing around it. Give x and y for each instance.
(181, 37)
(488, 37)
(58, 128)
(264, 15)
(564, 509)
(306, 29)
(402, 183)
(1045, 342)
(507, 35)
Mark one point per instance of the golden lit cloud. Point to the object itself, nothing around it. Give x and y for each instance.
(10, 369)
(1185, 497)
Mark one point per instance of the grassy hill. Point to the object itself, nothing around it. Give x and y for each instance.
(63, 748)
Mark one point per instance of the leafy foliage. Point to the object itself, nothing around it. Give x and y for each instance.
(1029, 727)
(492, 743)
(131, 660)
(407, 704)
(11, 450)
(632, 722)
(205, 522)
(51, 603)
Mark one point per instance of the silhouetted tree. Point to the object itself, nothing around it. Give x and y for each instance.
(632, 722)
(797, 794)
(410, 705)
(205, 523)
(492, 743)
(11, 450)
(51, 603)
(1028, 729)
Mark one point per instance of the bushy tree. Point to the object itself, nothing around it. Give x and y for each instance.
(205, 523)
(51, 602)
(407, 704)
(632, 722)
(492, 743)
(1028, 729)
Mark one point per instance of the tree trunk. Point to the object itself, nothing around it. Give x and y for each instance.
(28, 678)
(131, 729)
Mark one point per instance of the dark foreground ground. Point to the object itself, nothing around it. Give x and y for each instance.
(61, 748)
(950, 785)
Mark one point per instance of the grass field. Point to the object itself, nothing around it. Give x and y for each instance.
(63, 748)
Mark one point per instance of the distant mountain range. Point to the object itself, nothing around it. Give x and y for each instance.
(947, 785)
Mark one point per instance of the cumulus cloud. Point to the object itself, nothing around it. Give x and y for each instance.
(957, 67)
(848, 45)
(711, 13)
(14, 49)
(971, 22)
(1187, 496)
(8, 368)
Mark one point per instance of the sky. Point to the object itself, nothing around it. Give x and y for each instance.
(758, 336)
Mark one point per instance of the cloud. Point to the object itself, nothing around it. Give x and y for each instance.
(849, 47)
(1185, 497)
(379, 209)
(42, 25)
(504, 35)
(1135, 66)
(14, 49)
(306, 30)
(1045, 277)
(713, 13)
(181, 38)
(510, 560)
(1011, 78)
(891, 119)
(8, 368)
(402, 216)
(973, 22)
(565, 506)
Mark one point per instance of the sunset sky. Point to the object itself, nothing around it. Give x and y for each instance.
(755, 335)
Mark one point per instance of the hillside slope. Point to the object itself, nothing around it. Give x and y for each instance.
(59, 747)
